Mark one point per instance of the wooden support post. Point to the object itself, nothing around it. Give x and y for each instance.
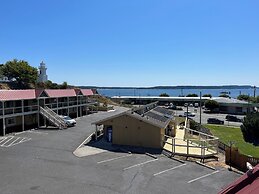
(96, 128)
(22, 115)
(187, 147)
(45, 121)
(38, 114)
(57, 105)
(77, 106)
(173, 146)
(67, 106)
(81, 114)
(4, 126)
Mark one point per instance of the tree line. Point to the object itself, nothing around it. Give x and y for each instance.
(26, 76)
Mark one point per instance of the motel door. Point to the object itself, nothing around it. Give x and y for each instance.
(109, 134)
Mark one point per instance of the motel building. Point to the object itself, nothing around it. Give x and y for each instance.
(145, 126)
(21, 110)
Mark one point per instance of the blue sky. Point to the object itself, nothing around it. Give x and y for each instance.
(135, 42)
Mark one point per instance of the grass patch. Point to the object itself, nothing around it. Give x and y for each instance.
(226, 134)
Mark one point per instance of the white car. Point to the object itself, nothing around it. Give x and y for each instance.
(69, 121)
(190, 114)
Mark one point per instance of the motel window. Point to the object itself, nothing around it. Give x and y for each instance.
(9, 104)
(10, 121)
(239, 109)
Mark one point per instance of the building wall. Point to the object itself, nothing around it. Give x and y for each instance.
(235, 109)
(127, 130)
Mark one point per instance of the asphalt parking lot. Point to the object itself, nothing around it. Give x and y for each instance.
(140, 173)
(46, 164)
(205, 116)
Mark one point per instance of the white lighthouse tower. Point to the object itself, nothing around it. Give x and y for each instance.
(42, 73)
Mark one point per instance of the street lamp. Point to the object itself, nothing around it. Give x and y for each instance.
(200, 108)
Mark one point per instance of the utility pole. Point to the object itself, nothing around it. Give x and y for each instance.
(200, 108)
(187, 110)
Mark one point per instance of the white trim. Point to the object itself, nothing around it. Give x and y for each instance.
(140, 164)
(112, 159)
(169, 169)
(201, 177)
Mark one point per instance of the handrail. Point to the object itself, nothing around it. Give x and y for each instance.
(211, 136)
(53, 117)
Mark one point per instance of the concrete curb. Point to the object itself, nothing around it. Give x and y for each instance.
(178, 160)
(204, 165)
(124, 150)
(151, 155)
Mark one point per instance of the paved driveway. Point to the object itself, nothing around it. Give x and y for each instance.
(46, 164)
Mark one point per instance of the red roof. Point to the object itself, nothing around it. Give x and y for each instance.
(17, 95)
(7, 95)
(38, 92)
(246, 184)
(56, 93)
(87, 92)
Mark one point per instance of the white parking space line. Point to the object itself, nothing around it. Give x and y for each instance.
(4, 144)
(22, 141)
(112, 159)
(9, 141)
(136, 165)
(169, 169)
(14, 141)
(204, 176)
(3, 139)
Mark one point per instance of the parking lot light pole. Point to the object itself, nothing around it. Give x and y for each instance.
(200, 108)
(187, 111)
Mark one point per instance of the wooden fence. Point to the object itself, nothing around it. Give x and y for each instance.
(238, 160)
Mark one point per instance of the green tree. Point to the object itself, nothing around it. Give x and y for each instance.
(250, 128)
(63, 85)
(224, 95)
(1, 70)
(192, 95)
(207, 95)
(164, 95)
(243, 97)
(211, 104)
(21, 71)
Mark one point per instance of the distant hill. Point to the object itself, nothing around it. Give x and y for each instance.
(175, 87)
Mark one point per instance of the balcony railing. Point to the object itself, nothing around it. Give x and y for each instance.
(16, 110)
(66, 104)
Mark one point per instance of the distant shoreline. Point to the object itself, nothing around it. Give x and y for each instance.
(176, 87)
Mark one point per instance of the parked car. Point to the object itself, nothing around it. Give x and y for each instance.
(215, 121)
(173, 107)
(190, 114)
(69, 121)
(233, 118)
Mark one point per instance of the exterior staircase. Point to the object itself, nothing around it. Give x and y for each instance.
(53, 117)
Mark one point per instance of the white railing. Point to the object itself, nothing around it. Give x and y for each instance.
(15, 110)
(66, 104)
(193, 144)
(53, 117)
(32, 108)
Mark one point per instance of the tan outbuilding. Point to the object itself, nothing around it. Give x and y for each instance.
(142, 127)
